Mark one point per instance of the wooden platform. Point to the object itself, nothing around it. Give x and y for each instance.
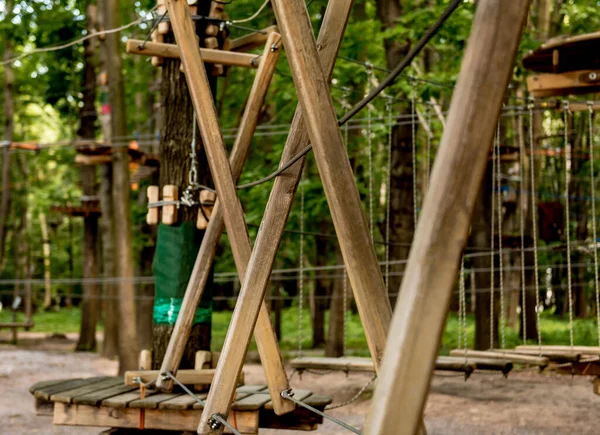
(565, 54)
(108, 402)
(443, 363)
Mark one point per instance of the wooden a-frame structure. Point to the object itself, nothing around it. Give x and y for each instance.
(440, 237)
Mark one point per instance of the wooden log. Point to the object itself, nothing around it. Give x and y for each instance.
(354, 364)
(505, 355)
(171, 51)
(282, 194)
(452, 364)
(583, 350)
(252, 40)
(336, 173)
(233, 215)
(153, 195)
(169, 212)
(553, 355)
(577, 82)
(187, 377)
(422, 306)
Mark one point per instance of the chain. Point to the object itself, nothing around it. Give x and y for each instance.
(428, 146)
(413, 104)
(301, 272)
(594, 239)
(462, 309)
(370, 152)
(187, 198)
(531, 105)
(523, 198)
(389, 196)
(355, 397)
(567, 215)
(492, 253)
(500, 253)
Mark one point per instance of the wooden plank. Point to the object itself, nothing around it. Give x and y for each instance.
(354, 364)
(252, 40)
(318, 401)
(250, 389)
(49, 383)
(152, 402)
(237, 396)
(256, 281)
(453, 364)
(506, 355)
(233, 215)
(301, 395)
(44, 408)
(122, 400)
(93, 384)
(440, 237)
(552, 355)
(583, 350)
(577, 82)
(171, 51)
(187, 377)
(94, 398)
(160, 419)
(252, 402)
(185, 401)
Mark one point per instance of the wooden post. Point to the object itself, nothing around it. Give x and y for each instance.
(267, 243)
(441, 234)
(233, 215)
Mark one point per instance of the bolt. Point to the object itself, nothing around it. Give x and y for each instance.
(593, 76)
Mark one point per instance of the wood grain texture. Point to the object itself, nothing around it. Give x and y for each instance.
(67, 396)
(422, 306)
(186, 377)
(569, 83)
(506, 355)
(171, 51)
(265, 336)
(269, 237)
(336, 173)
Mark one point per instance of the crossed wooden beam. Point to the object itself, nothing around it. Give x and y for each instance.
(439, 239)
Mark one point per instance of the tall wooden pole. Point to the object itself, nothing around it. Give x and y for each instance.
(422, 306)
(128, 340)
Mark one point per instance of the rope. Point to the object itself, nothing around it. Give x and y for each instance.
(413, 109)
(289, 395)
(388, 197)
(531, 105)
(76, 41)
(500, 253)
(301, 273)
(492, 253)
(523, 198)
(370, 155)
(594, 235)
(462, 309)
(253, 16)
(428, 147)
(567, 228)
(216, 420)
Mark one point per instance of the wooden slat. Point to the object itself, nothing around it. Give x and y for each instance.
(583, 350)
(122, 400)
(354, 364)
(49, 383)
(185, 401)
(577, 82)
(440, 237)
(171, 51)
(152, 402)
(552, 355)
(160, 419)
(96, 397)
(453, 364)
(298, 394)
(318, 401)
(252, 40)
(233, 216)
(96, 384)
(238, 396)
(250, 388)
(506, 355)
(187, 377)
(251, 402)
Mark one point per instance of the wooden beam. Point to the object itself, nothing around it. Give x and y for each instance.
(171, 51)
(232, 212)
(441, 234)
(577, 82)
(505, 355)
(583, 350)
(252, 40)
(187, 377)
(273, 224)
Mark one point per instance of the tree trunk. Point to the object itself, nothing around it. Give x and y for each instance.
(322, 288)
(401, 187)
(479, 240)
(337, 311)
(128, 337)
(87, 130)
(175, 139)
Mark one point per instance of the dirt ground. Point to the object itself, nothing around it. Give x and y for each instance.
(523, 403)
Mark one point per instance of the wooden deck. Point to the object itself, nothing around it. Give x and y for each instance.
(108, 402)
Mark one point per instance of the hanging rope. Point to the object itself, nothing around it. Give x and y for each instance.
(345, 283)
(388, 192)
(492, 252)
(523, 201)
(500, 253)
(567, 215)
(594, 235)
(462, 309)
(301, 273)
(428, 146)
(413, 104)
(370, 152)
(531, 105)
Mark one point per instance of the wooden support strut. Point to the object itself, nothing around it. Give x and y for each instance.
(171, 51)
(274, 220)
(265, 336)
(422, 307)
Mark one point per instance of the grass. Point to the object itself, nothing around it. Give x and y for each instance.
(555, 330)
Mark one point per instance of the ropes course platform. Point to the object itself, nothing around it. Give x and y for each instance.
(109, 402)
(443, 363)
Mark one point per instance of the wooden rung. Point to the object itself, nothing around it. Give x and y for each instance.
(584, 350)
(577, 82)
(503, 355)
(169, 212)
(253, 40)
(153, 194)
(187, 377)
(552, 355)
(354, 364)
(171, 51)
